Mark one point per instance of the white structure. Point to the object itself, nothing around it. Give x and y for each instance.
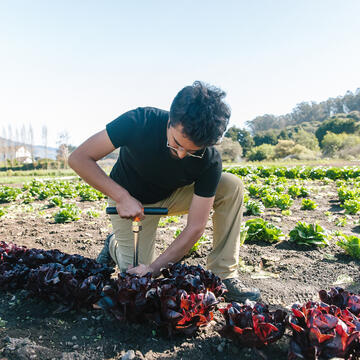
(23, 155)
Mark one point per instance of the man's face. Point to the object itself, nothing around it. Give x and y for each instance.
(179, 145)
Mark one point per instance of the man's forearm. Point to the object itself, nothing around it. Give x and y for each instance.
(177, 250)
(91, 172)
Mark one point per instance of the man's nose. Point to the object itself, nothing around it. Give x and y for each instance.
(181, 153)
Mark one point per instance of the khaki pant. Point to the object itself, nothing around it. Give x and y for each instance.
(224, 257)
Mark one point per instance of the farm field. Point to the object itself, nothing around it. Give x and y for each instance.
(285, 271)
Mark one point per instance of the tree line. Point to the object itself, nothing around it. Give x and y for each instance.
(329, 129)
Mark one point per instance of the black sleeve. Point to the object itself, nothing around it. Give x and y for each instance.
(122, 130)
(206, 185)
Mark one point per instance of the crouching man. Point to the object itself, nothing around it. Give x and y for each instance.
(167, 159)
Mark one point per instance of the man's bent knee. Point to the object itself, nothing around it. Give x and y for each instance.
(229, 184)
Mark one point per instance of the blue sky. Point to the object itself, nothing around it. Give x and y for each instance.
(76, 65)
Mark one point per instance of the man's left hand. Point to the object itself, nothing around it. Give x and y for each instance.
(140, 270)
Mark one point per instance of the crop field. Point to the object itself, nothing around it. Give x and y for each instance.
(300, 235)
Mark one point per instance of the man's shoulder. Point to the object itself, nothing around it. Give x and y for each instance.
(151, 113)
(213, 154)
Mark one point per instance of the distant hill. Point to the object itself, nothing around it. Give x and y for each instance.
(310, 114)
(39, 150)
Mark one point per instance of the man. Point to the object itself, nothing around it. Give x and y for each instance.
(167, 159)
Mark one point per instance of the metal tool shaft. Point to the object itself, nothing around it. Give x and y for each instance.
(136, 249)
(136, 228)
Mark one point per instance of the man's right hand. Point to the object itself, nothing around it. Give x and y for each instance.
(129, 208)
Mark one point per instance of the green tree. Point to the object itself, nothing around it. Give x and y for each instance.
(242, 136)
(232, 133)
(262, 152)
(301, 152)
(245, 140)
(265, 122)
(229, 150)
(308, 112)
(332, 143)
(284, 135)
(266, 137)
(340, 123)
(306, 139)
(283, 148)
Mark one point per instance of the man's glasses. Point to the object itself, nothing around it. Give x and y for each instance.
(187, 153)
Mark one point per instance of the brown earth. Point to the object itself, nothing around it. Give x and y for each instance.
(285, 273)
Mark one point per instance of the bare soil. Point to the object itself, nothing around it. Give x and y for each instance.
(285, 274)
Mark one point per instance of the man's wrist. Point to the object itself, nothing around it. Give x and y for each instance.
(154, 271)
(120, 194)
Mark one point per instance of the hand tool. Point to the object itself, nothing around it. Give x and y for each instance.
(136, 226)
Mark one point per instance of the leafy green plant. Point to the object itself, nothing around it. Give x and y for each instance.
(34, 187)
(342, 221)
(65, 189)
(346, 193)
(265, 171)
(243, 232)
(304, 192)
(42, 213)
(8, 193)
(351, 206)
(253, 178)
(27, 198)
(294, 191)
(287, 212)
(333, 173)
(282, 180)
(68, 213)
(351, 245)
(254, 207)
(292, 173)
(271, 180)
(280, 189)
(284, 201)
(269, 200)
(198, 244)
(92, 213)
(254, 190)
(308, 204)
(259, 229)
(265, 190)
(340, 183)
(87, 193)
(2, 212)
(317, 173)
(337, 233)
(309, 234)
(45, 193)
(246, 198)
(168, 220)
(56, 201)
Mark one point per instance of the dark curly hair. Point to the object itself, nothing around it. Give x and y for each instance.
(201, 111)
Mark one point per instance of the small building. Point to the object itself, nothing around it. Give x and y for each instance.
(23, 155)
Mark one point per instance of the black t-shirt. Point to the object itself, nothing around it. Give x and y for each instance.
(145, 167)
